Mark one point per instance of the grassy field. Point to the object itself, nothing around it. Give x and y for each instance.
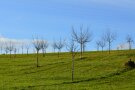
(97, 71)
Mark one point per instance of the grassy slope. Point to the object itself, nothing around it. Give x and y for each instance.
(97, 71)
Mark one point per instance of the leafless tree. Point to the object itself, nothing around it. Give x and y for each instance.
(27, 46)
(22, 46)
(129, 40)
(59, 45)
(72, 48)
(10, 47)
(1, 46)
(15, 50)
(98, 45)
(109, 37)
(82, 38)
(44, 46)
(37, 43)
(102, 44)
(54, 46)
(6, 49)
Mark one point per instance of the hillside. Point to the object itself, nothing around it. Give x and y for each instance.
(96, 71)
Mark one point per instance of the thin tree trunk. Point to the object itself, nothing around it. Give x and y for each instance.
(81, 51)
(10, 54)
(27, 52)
(43, 53)
(109, 47)
(22, 50)
(58, 53)
(14, 54)
(37, 58)
(72, 67)
(129, 46)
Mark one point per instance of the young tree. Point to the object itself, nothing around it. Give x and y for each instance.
(59, 45)
(1, 47)
(109, 37)
(129, 40)
(82, 38)
(22, 46)
(44, 46)
(54, 46)
(98, 45)
(27, 46)
(15, 50)
(6, 50)
(102, 44)
(10, 47)
(37, 43)
(72, 48)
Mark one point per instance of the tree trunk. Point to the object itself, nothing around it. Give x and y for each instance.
(129, 46)
(10, 54)
(109, 47)
(81, 51)
(72, 67)
(43, 53)
(27, 52)
(37, 58)
(15, 55)
(58, 54)
(22, 50)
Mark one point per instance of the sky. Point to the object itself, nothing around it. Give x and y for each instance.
(53, 19)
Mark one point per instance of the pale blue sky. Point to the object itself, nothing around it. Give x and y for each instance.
(20, 19)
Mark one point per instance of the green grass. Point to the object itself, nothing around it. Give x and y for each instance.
(97, 71)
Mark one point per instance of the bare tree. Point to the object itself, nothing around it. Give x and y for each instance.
(44, 46)
(6, 49)
(27, 46)
(54, 46)
(82, 38)
(22, 46)
(37, 43)
(129, 40)
(1, 47)
(59, 45)
(72, 48)
(10, 47)
(102, 44)
(15, 50)
(98, 45)
(109, 37)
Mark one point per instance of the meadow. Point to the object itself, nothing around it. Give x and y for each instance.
(96, 71)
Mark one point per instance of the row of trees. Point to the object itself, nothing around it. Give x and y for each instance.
(80, 38)
(78, 42)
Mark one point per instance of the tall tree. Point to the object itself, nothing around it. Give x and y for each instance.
(97, 45)
(22, 46)
(10, 46)
(15, 50)
(59, 45)
(54, 46)
(72, 48)
(83, 37)
(27, 46)
(44, 46)
(102, 44)
(129, 40)
(37, 43)
(109, 37)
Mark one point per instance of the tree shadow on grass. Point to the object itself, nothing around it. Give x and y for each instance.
(86, 80)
